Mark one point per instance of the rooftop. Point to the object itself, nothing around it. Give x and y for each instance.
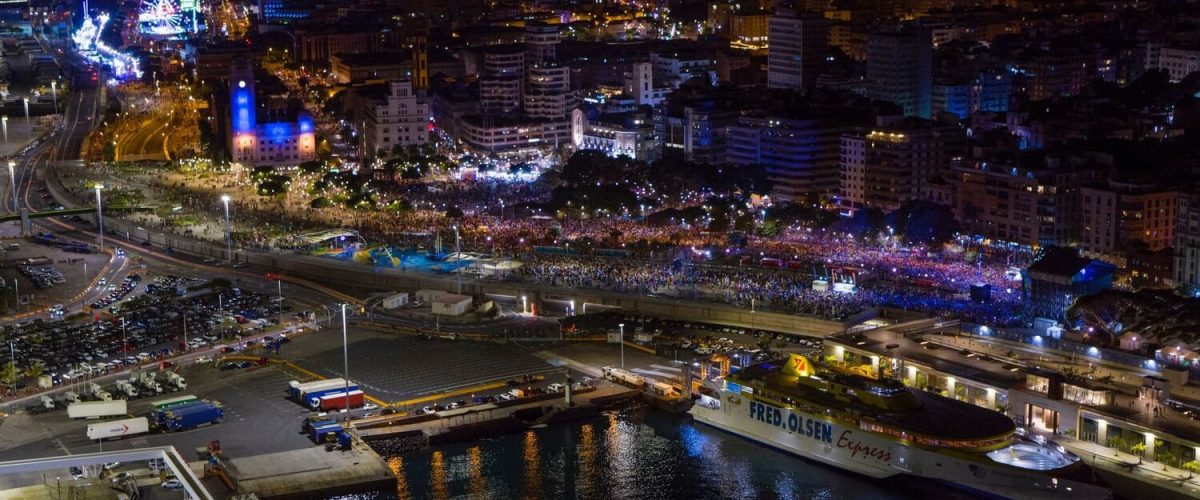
(884, 342)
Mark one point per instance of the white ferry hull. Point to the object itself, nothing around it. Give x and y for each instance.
(822, 439)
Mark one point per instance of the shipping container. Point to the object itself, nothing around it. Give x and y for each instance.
(163, 404)
(319, 432)
(312, 399)
(337, 401)
(118, 428)
(97, 409)
(297, 389)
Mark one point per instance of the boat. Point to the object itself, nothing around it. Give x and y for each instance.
(881, 428)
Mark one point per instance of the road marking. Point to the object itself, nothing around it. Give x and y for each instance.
(58, 442)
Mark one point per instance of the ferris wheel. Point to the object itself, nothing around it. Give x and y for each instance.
(161, 17)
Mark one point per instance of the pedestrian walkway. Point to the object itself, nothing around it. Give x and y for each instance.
(1125, 464)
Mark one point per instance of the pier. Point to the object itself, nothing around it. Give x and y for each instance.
(480, 420)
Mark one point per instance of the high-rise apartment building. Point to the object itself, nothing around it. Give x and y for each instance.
(893, 163)
(1115, 215)
(797, 45)
(1187, 242)
(800, 150)
(900, 69)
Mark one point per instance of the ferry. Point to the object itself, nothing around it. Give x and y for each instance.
(881, 428)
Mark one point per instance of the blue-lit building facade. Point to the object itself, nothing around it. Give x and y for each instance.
(283, 138)
(282, 11)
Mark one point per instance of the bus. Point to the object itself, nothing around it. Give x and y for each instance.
(163, 404)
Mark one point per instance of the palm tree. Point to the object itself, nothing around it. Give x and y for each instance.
(10, 374)
(35, 370)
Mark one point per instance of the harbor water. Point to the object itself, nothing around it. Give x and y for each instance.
(634, 453)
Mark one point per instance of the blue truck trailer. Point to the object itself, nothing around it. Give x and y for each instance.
(192, 416)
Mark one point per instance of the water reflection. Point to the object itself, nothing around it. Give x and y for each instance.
(586, 481)
(533, 466)
(396, 465)
(437, 476)
(631, 455)
(477, 486)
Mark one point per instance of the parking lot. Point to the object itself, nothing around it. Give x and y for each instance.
(259, 419)
(396, 367)
(691, 339)
(53, 276)
(153, 323)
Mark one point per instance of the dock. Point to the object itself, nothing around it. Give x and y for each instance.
(311, 472)
(476, 421)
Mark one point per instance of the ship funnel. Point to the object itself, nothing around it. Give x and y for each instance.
(798, 365)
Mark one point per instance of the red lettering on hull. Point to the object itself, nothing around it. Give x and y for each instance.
(856, 448)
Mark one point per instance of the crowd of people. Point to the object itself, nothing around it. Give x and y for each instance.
(767, 289)
(662, 257)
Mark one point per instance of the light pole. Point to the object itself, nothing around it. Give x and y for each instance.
(26, 100)
(124, 340)
(622, 326)
(4, 122)
(524, 305)
(280, 283)
(345, 363)
(100, 217)
(458, 250)
(12, 179)
(54, 91)
(571, 312)
(228, 230)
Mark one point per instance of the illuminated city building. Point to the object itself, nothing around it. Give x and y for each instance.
(617, 129)
(797, 48)
(399, 118)
(287, 135)
(1118, 215)
(894, 162)
(900, 69)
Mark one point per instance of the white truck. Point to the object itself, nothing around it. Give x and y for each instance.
(97, 409)
(47, 402)
(623, 377)
(71, 397)
(149, 382)
(118, 428)
(104, 395)
(176, 381)
(94, 390)
(127, 389)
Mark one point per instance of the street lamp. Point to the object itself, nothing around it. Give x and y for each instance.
(458, 250)
(622, 327)
(345, 362)
(54, 91)
(12, 179)
(4, 122)
(524, 305)
(100, 217)
(572, 311)
(228, 230)
(124, 340)
(26, 99)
